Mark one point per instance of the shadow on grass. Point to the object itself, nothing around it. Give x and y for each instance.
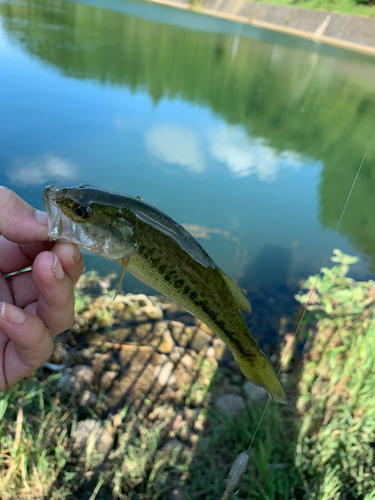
(146, 437)
(172, 441)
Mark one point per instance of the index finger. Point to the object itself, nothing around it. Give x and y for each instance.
(19, 221)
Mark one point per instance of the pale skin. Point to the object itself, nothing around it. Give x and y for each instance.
(36, 305)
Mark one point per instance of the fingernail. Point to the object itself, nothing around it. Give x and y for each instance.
(57, 269)
(41, 217)
(77, 254)
(12, 314)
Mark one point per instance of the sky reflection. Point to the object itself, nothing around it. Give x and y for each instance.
(245, 155)
(40, 170)
(176, 145)
(215, 141)
(237, 134)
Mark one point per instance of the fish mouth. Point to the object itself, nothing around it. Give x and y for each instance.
(59, 226)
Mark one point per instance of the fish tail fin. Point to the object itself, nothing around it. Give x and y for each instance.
(259, 371)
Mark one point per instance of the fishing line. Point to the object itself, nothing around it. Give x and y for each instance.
(307, 303)
(326, 255)
(354, 182)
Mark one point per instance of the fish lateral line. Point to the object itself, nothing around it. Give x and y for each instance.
(132, 232)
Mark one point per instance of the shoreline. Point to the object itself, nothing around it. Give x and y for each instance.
(342, 30)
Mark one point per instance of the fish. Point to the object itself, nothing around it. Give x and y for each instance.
(164, 255)
(237, 470)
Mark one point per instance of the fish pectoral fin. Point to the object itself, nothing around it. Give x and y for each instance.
(124, 264)
(240, 299)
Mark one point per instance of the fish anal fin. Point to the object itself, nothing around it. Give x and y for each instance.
(260, 372)
(124, 264)
(240, 299)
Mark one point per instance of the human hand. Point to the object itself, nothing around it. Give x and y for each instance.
(36, 305)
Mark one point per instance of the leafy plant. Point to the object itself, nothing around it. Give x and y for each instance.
(335, 448)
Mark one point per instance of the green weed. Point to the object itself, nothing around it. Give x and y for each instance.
(335, 447)
(360, 8)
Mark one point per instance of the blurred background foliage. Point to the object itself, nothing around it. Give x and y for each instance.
(297, 100)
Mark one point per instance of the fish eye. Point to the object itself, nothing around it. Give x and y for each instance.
(80, 212)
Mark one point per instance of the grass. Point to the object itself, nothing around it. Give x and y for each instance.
(38, 458)
(34, 443)
(363, 8)
(271, 474)
(335, 448)
(320, 446)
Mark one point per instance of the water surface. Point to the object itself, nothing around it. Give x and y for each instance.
(250, 137)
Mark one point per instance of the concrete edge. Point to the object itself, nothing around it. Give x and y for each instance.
(219, 8)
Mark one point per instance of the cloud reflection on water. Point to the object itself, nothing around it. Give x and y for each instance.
(245, 155)
(242, 154)
(39, 170)
(177, 145)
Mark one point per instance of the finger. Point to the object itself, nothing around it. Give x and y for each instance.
(55, 304)
(14, 257)
(24, 341)
(5, 290)
(19, 221)
(71, 259)
(22, 289)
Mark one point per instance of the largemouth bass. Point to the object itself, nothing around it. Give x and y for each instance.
(161, 253)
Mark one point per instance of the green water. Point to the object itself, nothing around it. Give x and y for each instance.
(251, 137)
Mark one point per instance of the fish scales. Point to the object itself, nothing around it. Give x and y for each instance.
(197, 288)
(162, 254)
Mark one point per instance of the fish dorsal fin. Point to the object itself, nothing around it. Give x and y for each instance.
(240, 299)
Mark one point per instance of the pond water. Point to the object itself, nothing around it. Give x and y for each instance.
(250, 137)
